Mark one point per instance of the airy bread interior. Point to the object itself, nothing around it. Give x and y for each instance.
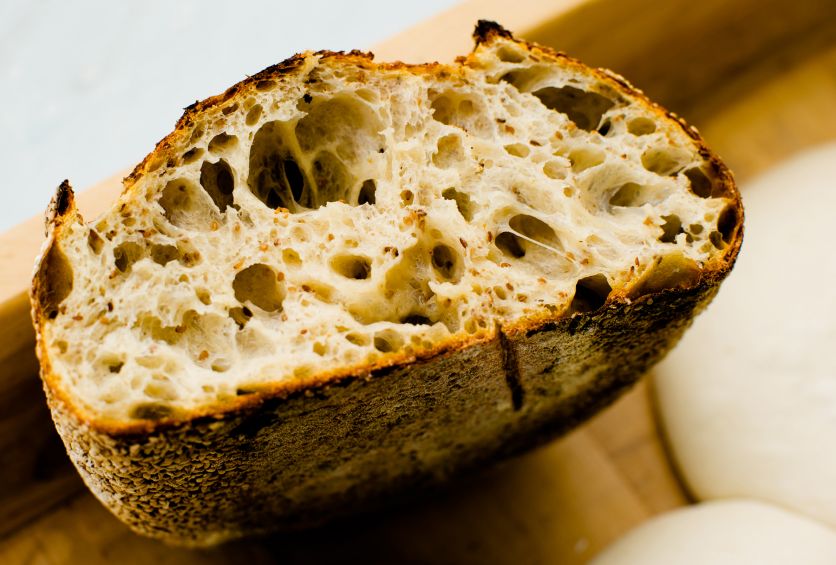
(349, 215)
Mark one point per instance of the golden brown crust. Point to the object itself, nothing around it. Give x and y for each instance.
(536, 378)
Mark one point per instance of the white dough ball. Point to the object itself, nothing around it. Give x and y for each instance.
(748, 400)
(733, 532)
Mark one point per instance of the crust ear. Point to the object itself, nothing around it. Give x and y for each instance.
(486, 30)
(61, 206)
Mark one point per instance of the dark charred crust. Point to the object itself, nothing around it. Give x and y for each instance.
(285, 67)
(486, 29)
(63, 198)
(62, 203)
(512, 371)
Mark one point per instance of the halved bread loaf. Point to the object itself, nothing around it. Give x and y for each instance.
(342, 278)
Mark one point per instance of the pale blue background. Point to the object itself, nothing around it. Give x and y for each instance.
(88, 88)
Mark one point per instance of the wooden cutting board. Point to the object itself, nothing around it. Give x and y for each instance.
(758, 78)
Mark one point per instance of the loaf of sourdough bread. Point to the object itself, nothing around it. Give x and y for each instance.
(341, 279)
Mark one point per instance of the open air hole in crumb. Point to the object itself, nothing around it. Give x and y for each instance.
(663, 160)
(417, 320)
(279, 180)
(449, 151)
(222, 142)
(295, 180)
(671, 227)
(590, 293)
(253, 115)
(163, 254)
(367, 192)
(344, 122)
(331, 179)
(554, 170)
(204, 296)
(387, 341)
(160, 389)
(627, 195)
(535, 229)
(641, 126)
(461, 110)
(584, 158)
(518, 149)
(673, 270)
(523, 78)
(508, 54)
(218, 182)
(357, 339)
(126, 254)
(291, 258)
(584, 108)
(259, 285)
(443, 107)
(726, 223)
(185, 205)
(510, 244)
(240, 315)
(192, 155)
(95, 242)
(265, 85)
(462, 200)
(699, 182)
(605, 128)
(352, 266)
(275, 178)
(446, 261)
(189, 256)
(320, 290)
(197, 133)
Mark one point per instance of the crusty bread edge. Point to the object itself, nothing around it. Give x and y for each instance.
(63, 210)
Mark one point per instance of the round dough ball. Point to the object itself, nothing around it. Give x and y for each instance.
(724, 532)
(748, 399)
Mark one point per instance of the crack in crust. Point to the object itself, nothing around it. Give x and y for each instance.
(512, 371)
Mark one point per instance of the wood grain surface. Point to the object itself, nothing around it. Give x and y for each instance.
(757, 78)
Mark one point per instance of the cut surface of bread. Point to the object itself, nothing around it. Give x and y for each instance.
(331, 219)
(353, 215)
